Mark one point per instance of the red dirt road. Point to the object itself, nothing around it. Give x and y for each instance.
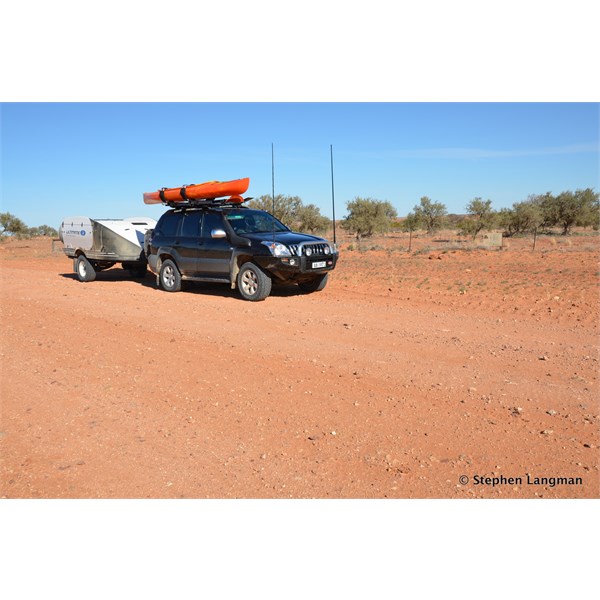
(410, 376)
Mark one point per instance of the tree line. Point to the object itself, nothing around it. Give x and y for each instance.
(368, 216)
(14, 227)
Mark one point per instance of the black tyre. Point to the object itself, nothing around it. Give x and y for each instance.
(314, 285)
(84, 269)
(253, 283)
(170, 278)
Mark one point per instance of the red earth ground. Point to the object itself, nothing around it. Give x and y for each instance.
(449, 371)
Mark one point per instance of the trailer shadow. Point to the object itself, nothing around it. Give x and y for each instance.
(117, 275)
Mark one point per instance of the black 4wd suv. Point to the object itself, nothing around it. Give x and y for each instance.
(246, 248)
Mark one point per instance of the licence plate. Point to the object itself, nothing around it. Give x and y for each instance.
(319, 265)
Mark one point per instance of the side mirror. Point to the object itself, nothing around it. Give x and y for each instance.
(218, 233)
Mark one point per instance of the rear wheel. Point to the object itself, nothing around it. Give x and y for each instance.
(170, 278)
(84, 269)
(314, 285)
(253, 283)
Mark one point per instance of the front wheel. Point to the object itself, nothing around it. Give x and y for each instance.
(84, 269)
(314, 285)
(253, 283)
(170, 277)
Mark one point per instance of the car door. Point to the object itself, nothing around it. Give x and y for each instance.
(189, 242)
(214, 253)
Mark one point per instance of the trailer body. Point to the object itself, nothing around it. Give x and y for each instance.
(98, 244)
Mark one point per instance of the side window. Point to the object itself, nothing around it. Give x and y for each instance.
(191, 224)
(168, 224)
(211, 221)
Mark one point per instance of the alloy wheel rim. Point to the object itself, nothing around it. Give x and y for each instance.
(250, 282)
(169, 276)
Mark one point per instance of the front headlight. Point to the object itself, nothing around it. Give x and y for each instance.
(277, 249)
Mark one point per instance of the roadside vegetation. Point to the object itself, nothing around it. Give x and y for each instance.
(13, 227)
(368, 217)
(291, 211)
(538, 214)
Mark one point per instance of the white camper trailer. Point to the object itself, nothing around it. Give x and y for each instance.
(98, 244)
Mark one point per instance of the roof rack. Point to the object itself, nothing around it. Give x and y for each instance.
(207, 203)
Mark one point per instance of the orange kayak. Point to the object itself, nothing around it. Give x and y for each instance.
(200, 191)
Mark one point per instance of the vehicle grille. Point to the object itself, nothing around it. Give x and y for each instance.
(317, 249)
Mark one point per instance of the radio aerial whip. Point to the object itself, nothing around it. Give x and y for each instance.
(332, 193)
(273, 185)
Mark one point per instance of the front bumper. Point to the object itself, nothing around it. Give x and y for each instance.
(297, 268)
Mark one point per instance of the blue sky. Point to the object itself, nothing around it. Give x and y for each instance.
(97, 159)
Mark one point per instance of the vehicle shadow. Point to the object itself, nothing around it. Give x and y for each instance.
(223, 290)
(118, 275)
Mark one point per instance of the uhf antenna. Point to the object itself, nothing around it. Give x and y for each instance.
(332, 193)
(273, 185)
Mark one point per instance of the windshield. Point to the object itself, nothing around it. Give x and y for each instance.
(253, 221)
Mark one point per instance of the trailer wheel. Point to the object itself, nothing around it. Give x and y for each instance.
(314, 285)
(170, 278)
(253, 283)
(84, 269)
